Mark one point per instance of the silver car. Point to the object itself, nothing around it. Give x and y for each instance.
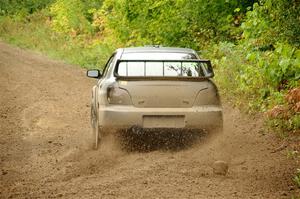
(154, 87)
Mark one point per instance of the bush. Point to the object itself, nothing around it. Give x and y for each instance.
(15, 7)
(37, 34)
(69, 17)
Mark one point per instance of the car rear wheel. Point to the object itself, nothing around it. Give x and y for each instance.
(95, 136)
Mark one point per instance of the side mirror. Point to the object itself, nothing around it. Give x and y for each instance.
(94, 73)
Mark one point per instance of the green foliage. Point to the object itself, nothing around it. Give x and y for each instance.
(273, 21)
(69, 16)
(283, 65)
(295, 122)
(144, 22)
(280, 67)
(172, 23)
(13, 7)
(39, 36)
(255, 79)
(238, 78)
(297, 178)
(293, 154)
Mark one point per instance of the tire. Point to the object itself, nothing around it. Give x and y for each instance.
(95, 136)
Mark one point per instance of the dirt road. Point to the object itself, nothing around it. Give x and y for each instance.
(44, 120)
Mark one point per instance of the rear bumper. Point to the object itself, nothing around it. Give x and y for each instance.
(122, 117)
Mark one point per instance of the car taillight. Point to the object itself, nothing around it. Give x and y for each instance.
(116, 95)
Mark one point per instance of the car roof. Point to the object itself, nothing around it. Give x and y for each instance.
(157, 49)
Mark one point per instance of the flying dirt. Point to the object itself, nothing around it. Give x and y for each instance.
(45, 120)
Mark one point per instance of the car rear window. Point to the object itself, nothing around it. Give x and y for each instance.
(160, 64)
(164, 68)
(150, 68)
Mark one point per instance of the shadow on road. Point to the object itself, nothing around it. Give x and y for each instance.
(146, 140)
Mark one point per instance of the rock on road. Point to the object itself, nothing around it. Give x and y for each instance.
(44, 122)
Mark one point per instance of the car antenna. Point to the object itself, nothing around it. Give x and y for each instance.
(154, 46)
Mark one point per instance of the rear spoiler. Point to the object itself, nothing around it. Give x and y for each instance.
(157, 78)
(207, 70)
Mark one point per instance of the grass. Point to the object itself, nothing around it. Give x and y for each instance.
(35, 33)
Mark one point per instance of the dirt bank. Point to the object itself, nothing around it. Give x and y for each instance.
(44, 120)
